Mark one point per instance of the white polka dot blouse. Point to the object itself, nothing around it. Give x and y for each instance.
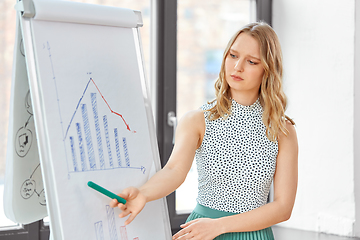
(236, 161)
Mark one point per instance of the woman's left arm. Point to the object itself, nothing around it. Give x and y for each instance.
(285, 185)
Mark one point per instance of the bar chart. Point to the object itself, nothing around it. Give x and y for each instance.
(124, 235)
(99, 231)
(98, 126)
(111, 223)
(94, 119)
(113, 234)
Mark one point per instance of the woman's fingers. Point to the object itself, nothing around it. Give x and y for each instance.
(183, 234)
(188, 223)
(122, 207)
(131, 218)
(135, 202)
(124, 213)
(126, 194)
(129, 193)
(113, 203)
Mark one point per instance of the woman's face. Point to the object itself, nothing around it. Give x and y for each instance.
(243, 68)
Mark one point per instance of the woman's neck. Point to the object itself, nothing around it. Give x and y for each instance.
(245, 99)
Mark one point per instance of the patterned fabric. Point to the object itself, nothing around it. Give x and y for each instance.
(204, 212)
(236, 161)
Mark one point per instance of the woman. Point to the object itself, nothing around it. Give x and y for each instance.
(242, 141)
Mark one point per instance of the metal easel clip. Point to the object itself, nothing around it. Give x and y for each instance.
(140, 20)
(26, 7)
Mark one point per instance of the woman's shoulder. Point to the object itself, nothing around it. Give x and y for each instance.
(193, 116)
(290, 137)
(196, 118)
(290, 126)
(193, 121)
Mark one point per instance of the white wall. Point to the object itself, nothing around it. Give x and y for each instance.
(317, 39)
(357, 117)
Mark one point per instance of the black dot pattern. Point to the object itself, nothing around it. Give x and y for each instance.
(236, 161)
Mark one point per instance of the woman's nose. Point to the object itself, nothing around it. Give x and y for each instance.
(239, 66)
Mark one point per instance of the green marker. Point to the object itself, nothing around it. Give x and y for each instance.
(106, 192)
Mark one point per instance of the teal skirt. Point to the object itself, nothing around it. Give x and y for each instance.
(201, 211)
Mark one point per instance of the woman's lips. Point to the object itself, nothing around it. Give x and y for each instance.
(236, 78)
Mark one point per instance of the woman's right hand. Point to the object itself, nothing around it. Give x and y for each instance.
(135, 202)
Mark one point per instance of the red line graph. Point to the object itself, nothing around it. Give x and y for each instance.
(116, 113)
(112, 111)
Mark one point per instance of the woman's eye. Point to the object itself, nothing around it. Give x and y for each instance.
(252, 63)
(232, 55)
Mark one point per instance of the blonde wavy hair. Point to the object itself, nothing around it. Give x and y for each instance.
(271, 94)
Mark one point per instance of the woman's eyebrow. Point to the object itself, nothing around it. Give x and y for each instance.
(234, 51)
(254, 57)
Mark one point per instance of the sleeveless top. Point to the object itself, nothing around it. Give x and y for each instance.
(236, 161)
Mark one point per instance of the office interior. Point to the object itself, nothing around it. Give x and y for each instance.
(183, 43)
